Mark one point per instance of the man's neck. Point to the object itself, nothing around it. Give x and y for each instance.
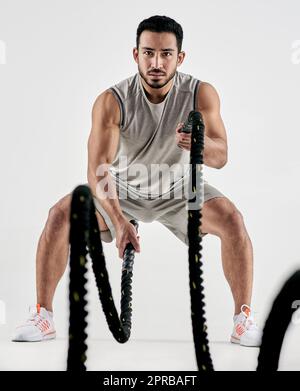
(156, 95)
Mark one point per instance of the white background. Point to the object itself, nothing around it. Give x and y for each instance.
(59, 57)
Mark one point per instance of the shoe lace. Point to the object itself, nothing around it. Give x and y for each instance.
(35, 318)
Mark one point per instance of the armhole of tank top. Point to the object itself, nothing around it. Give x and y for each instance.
(196, 93)
(122, 111)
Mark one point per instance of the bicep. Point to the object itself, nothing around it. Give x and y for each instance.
(105, 132)
(208, 103)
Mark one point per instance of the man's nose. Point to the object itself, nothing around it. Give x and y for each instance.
(156, 63)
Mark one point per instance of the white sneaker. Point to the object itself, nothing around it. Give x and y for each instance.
(38, 327)
(245, 330)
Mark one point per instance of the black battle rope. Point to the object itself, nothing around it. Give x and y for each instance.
(85, 238)
(277, 322)
(196, 194)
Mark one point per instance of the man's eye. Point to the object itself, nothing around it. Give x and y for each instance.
(165, 53)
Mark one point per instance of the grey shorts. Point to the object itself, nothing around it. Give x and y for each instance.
(172, 213)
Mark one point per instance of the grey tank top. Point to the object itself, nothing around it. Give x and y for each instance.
(148, 161)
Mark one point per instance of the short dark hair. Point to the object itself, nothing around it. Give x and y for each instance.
(159, 24)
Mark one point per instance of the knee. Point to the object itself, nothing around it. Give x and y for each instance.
(58, 217)
(234, 223)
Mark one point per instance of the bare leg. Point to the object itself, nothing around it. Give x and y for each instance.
(220, 217)
(53, 251)
(237, 261)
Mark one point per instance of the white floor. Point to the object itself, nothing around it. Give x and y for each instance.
(108, 355)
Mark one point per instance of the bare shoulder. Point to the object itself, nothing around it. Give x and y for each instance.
(106, 108)
(207, 97)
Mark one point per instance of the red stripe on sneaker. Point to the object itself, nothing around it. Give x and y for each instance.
(239, 329)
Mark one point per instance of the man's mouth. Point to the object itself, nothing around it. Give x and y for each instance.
(156, 74)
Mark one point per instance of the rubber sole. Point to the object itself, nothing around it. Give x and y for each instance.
(37, 339)
(238, 342)
(234, 340)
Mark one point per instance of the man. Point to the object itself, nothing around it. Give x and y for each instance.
(140, 119)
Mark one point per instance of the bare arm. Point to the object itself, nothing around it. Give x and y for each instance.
(102, 148)
(215, 138)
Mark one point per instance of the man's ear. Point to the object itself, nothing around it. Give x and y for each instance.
(135, 54)
(181, 57)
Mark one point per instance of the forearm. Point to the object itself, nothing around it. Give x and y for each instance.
(108, 200)
(215, 154)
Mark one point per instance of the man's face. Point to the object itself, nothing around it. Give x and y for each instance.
(157, 57)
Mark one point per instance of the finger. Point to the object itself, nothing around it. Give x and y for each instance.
(122, 249)
(136, 244)
(179, 127)
(185, 137)
(185, 143)
(184, 146)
